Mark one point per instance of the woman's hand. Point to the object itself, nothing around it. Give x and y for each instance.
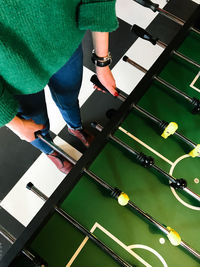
(105, 76)
(25, 129)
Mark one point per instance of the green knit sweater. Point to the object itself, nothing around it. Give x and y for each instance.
(37, 37)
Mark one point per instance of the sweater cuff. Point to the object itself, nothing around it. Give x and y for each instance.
(8, 107)
(98, 16)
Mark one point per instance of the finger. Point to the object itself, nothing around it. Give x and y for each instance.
(113, 90)
(99, 89)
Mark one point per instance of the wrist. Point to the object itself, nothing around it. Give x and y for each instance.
(102, 70)
(101, 61)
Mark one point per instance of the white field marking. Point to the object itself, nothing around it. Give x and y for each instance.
(194, 81)
(80, 247)
(174, 191)
(151, 250)
(145, 145)
(123, 245)
(127, 248)
(96, 225)
(77, 252)
(173, 164)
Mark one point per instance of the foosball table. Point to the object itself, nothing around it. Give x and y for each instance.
(133, 198)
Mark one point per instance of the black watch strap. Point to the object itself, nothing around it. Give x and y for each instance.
(101, 61)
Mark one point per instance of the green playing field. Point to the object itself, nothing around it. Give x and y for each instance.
(121, 228)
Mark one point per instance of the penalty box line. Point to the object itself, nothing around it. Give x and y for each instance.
(146, 146)
(96, 225)
(192, 85)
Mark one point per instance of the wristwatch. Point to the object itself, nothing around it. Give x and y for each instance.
(101, 61)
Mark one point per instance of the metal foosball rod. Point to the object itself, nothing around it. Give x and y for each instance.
(155, 8)
(69, 218)
(35, 259)
(123, 200)
(140, 32)
(82, 229)
(192, 100)
(169, 128)
(148, 162)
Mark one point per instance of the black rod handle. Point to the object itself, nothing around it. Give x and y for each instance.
(140, 32)
(94, 79)
(148, 4)
(37, 134)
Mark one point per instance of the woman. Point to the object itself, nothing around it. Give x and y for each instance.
(41, 44)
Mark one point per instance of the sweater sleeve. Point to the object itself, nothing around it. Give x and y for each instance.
(97, 15)
(8, 106)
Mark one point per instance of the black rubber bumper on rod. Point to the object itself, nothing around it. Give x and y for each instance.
(155, 7)
(192, 100)
(160, 123)
(141, 33)
(115, 192)
(148, 162)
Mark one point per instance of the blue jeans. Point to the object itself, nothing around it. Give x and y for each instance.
(64, 86)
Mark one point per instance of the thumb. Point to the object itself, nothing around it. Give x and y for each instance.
(40, 127)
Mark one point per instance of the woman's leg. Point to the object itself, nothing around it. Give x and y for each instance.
(65, 86)
(34, 107)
